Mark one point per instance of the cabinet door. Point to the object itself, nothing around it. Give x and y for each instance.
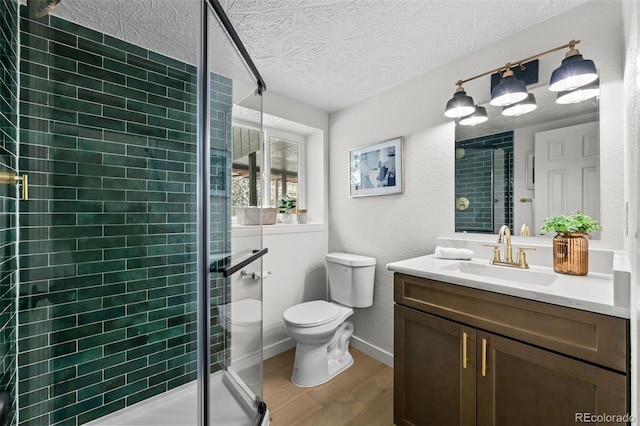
(524, 385)
(433, 384)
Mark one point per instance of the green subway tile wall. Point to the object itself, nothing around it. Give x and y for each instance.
(107, 307)
(8, 204)
(474, 180)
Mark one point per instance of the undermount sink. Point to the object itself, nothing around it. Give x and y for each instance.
(522, 276)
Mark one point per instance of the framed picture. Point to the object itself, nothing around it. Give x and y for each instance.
(376, 169)
(530, 170)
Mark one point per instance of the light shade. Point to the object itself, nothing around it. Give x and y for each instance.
(459, 105)
(522, 107)
(574, 72)
(478, 116)
(510, 90)
(580, 94)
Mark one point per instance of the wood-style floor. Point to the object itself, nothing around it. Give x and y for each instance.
(360, 395)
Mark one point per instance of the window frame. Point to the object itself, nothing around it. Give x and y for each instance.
(292, 138)
(265, 165)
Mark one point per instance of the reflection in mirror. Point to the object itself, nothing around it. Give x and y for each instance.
(500, 180)
(484, 177)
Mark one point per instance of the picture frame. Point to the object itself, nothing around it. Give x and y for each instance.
(530, 170)
(377, 169)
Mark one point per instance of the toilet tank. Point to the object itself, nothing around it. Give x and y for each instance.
(351, 279)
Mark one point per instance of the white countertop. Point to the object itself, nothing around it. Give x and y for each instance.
(593, 292)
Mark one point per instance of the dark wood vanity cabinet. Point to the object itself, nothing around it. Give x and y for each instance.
(470, 357)
(431, 385)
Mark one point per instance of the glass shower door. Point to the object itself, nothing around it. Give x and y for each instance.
(106, 319)
(483, 189)
(236, 251)
(107, 237)
(500, 189)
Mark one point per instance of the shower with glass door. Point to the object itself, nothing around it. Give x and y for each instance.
(119, 303)
(484, 183)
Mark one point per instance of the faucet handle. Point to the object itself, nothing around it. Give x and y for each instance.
(522, 258)
(496, 252)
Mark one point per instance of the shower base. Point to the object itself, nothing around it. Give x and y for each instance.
(230, 406)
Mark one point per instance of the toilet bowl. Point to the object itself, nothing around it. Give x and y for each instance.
(243, 320)
(320, 328)
(322, 337)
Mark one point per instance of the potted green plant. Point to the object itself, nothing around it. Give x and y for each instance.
(571, 243)
(576, 222)
(287, 209)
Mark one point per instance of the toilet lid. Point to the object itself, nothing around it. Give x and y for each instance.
(311, 314)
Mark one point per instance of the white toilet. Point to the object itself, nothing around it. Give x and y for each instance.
(243, 320)
(320, 328)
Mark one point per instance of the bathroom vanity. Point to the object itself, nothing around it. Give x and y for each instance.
(471, 347)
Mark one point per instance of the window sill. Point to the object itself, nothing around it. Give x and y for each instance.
(278, 228)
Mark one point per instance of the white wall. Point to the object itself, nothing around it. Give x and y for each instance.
(632, 181)
(395, 227)
(294, 273)
(296, 252)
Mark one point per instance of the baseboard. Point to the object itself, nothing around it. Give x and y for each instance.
(277, 348)
(369, 349)
(373, 351)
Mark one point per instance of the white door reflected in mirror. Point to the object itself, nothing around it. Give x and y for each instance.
(567, 172)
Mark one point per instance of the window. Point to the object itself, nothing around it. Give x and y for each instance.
(245, 168)
(283, 170)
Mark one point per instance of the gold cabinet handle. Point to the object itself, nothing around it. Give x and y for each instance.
(464, 350)
(484, 357)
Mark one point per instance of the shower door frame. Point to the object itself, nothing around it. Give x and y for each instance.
(203, 197)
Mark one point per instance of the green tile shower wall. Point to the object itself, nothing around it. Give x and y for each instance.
(8, 208)
(474, 182)
(107, 241)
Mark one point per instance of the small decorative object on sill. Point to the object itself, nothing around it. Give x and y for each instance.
(571, 244)
(302, 216)
(251, 215)
(287, 208)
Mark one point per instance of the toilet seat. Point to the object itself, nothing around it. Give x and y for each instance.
(311, 314)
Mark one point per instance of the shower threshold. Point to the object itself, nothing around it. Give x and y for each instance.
(230, 406)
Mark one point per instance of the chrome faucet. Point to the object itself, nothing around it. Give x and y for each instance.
(504, 236)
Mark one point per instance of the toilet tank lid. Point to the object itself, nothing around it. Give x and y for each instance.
(350, 259)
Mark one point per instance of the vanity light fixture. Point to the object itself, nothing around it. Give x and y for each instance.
(460, 104)
(477, 117)
(580, 94)
(575, 72)
(510, 89)
(526, 105)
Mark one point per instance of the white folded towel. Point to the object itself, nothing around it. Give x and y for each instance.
(453, 253)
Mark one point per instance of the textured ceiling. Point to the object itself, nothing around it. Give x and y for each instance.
(328, 54)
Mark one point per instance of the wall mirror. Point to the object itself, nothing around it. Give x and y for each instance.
(500, 179)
